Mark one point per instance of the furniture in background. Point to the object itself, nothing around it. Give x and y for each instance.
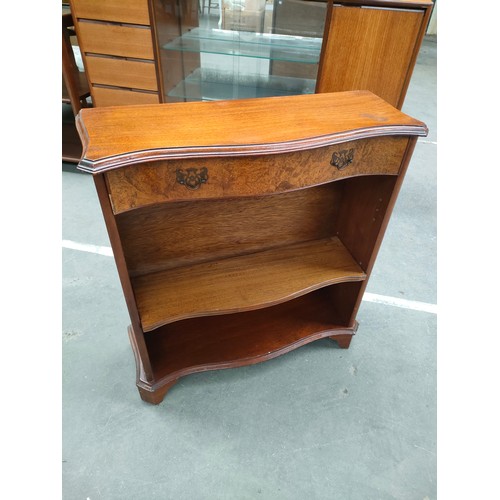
(372, 45)
(116, 40)
(75, 92)
(153, 51)
(240, 240)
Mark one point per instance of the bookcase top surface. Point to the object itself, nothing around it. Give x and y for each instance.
(117, 136)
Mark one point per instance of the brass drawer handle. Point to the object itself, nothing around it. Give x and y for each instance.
(193, 178)
(342, 159)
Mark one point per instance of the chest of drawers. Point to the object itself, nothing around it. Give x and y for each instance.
(244, 229)
(118, 51)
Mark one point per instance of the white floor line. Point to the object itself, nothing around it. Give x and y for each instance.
(397, 302)
(83, 247)
(424, 141)
(367, 297)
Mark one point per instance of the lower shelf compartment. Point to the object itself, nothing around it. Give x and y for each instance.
(216, 342)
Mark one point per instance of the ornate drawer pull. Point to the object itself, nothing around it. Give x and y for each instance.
(342, 159)
(193, 178)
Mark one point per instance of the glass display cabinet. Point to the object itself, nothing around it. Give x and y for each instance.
(245, 48)
(154, 51)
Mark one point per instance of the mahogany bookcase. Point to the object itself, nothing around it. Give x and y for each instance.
(243, 229)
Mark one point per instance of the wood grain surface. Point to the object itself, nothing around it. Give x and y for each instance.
(122, 72)
(180, 234)
(120, 11)
(242, 283)
(151, 183)
(370, 49)
(118, 136)
(116, 40)
(226, 341)
(115, 96)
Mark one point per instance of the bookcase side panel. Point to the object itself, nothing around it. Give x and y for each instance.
(120, 261)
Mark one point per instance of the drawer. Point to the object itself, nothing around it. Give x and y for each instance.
(108, 96)
(122, 72)
(120, 11)
(116, 40)
(175, 180)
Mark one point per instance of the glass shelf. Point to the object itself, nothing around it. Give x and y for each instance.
(246, 44)
(212, 85)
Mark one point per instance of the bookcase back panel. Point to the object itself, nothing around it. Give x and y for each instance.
(182, 233)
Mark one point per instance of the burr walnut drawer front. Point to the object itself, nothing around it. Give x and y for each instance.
(117, 40)
(207, 178)
(122, 72)
(120, 11)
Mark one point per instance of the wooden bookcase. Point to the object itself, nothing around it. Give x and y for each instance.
(246, 228)
(155, 51)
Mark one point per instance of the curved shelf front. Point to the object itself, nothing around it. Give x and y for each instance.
(242, 283)
(217, 342)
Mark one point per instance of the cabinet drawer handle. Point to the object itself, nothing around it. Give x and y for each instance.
(342, 159)
(192, 178)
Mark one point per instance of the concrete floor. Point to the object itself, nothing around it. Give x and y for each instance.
(317, 423)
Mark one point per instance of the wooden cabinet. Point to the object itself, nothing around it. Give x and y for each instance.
(117, 51)
(372, 45)
(188, 51)
(75, 91)
(240, 240)
(114, 11)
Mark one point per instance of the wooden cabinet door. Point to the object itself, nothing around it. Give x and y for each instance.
(370, 48)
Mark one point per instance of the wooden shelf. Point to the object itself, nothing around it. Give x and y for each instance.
(225, 341)
(243, 283)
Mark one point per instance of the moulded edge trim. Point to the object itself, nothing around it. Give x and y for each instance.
(135, 157)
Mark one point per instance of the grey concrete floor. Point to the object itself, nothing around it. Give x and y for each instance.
(317, 423)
